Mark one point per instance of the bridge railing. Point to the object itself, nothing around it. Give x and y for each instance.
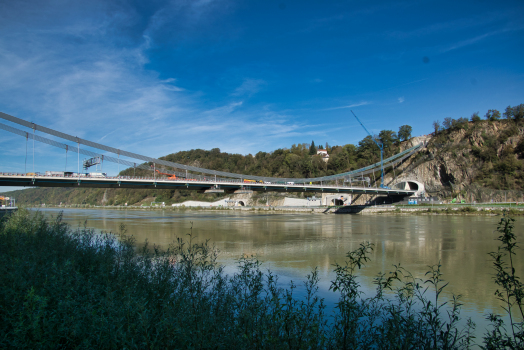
(211, 181)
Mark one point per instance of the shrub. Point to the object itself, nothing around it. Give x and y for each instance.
(510, 292)
(468, 210)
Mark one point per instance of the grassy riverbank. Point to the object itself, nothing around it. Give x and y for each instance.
(64, 288)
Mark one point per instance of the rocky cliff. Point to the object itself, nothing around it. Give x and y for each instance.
(477, 162)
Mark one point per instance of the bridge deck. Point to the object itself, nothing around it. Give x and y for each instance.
(228, 186)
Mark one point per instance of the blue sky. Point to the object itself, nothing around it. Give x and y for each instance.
(157, 77)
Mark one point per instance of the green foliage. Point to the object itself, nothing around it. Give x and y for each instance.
(312, 149)
(454, 124)
(436, 127)
(492, 115)
(475, 118)
(508, 132)
(447, 123)
(404, 132)
(460, 123)
(468, 209)
(79, 289)
(516, 113)
(510, 292)
(387, 138)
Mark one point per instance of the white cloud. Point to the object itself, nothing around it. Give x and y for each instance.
(401, 99)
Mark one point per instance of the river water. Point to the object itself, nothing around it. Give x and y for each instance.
(292, 244)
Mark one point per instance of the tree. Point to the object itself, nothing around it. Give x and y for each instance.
(436, 126)
(460, 123)
(492, 115)
(404, 132)
(475, 117)
(312, 149)
(508, 113)
(447, 123)
(518, 112)
(367, 149)
(387, 138)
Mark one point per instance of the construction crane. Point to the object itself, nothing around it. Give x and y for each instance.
(170, 176)
(381, 147)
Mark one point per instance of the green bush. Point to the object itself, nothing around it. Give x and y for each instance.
(468, 210)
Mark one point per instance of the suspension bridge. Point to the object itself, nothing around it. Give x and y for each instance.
(186, 176)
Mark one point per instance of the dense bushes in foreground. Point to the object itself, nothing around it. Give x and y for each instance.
(77, 289)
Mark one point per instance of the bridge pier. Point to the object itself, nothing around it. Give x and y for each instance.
(336, 199)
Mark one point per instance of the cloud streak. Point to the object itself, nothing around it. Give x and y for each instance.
(363, 103)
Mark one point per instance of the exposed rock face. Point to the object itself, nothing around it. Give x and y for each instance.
(457, 163)
(450, 163)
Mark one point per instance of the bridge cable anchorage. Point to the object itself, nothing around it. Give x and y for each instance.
(406, 153)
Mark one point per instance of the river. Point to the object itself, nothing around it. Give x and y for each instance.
(292, 244)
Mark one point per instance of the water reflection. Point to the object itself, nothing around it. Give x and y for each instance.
(293, 244)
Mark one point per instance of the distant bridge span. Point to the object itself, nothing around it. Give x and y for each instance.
(204, 185)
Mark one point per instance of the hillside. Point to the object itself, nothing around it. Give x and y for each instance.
(476, 160)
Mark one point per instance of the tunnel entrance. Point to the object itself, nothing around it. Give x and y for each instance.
(412, 186)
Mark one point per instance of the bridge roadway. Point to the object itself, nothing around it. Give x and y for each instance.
(207, 185)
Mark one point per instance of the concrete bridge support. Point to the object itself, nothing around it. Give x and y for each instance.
(336, 199)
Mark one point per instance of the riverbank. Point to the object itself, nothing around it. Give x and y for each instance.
(437, 209)
(77, 288)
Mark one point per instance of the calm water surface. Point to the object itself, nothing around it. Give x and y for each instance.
(293, 244)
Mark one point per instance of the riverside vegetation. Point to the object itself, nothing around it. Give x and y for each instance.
(473, 159)
(64, 288)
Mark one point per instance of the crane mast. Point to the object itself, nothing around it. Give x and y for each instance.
(381, 147)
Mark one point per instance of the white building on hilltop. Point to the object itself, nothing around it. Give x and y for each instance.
(324, 154)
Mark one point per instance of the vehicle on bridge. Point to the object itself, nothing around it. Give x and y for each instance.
(97, 174)
(253, 181)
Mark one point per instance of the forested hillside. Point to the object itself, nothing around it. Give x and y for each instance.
(464, 155)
